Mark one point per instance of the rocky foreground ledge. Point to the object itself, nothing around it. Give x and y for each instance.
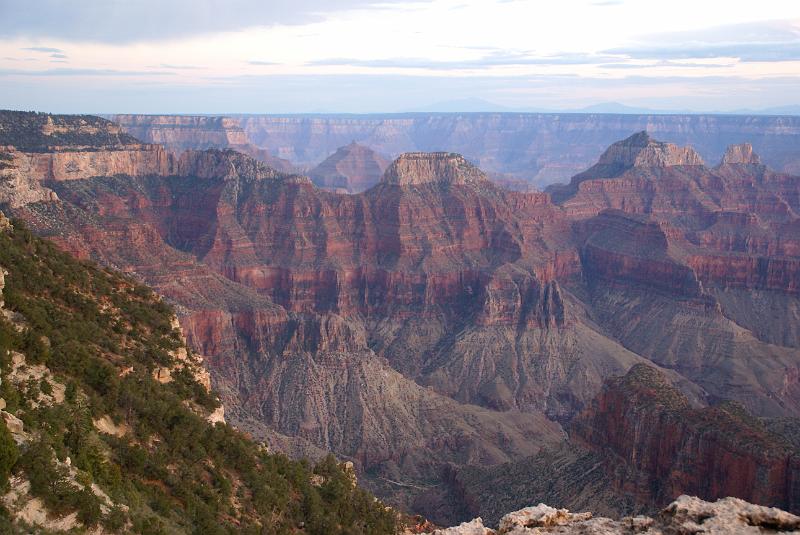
(686, 515)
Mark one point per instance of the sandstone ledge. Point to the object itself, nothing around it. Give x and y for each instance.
(686, 515)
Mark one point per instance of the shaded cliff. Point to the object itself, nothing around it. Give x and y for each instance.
(179, 133)
(666, 447)
(351, 169)
(638, 446)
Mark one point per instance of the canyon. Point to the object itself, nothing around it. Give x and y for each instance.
(602, 341)
(521, 149)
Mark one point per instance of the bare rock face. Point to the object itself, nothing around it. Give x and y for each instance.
(68, 163)
(669, 447)
(183, 132)
(685, 516)
(741, 154)
(39, 147)
(540, 516)
(640, 150)
(418, 168)
(18, 186)
(353, 168)
(36, 148)
(473, 527)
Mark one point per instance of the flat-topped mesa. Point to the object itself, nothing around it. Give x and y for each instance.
(41, 132)
(184, 132)
(640, 150)
(741, 154)
(417, 168)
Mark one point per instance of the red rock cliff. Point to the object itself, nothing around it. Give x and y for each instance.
(668, 448)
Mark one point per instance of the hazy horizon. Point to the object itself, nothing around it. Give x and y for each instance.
(394, 56)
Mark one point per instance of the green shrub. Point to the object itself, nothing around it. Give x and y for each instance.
(176, 472)
(9, 453)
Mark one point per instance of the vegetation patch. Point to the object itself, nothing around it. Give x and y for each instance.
(171, 471)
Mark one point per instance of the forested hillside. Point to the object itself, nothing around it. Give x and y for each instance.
(106, 419)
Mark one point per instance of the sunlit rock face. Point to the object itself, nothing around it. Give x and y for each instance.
(741, 154)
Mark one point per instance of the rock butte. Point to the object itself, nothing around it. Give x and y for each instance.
(640, 150)
(417, 168)
(741, 155)
(351, 169)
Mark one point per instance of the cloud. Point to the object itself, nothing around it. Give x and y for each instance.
(259, 62)
(58, 56)
(494, 59)
(79, 72)
(753, 42)
(747, 52)
(180, 67)
(43, 49)
(771, 31)
(157, 20)
(665, 63)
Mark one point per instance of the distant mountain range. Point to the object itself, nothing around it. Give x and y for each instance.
(474, 105)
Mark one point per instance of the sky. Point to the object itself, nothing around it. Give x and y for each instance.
(364, 56)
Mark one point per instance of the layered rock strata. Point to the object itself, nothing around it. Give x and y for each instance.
(351, 169)
(180, 133)
(437, 320)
